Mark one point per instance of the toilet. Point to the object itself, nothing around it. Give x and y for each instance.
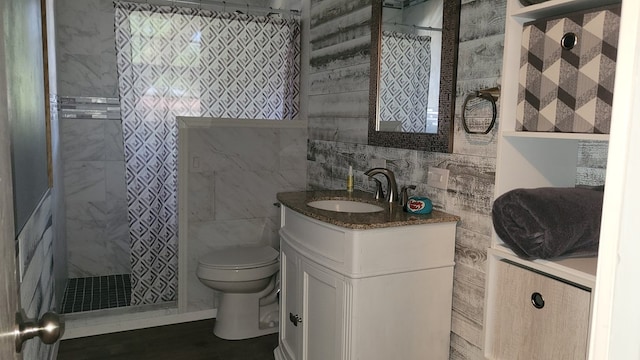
(246, 278)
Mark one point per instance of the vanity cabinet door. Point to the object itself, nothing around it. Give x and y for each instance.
(323, 296)
(290, 303)
(537, 316)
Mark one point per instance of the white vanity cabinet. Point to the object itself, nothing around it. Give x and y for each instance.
(513, 327)
(313, 306)
(382, 293)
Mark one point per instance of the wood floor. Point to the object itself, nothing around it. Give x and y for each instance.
(188, 341)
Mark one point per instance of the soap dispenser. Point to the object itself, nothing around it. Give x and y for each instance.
(350, 179)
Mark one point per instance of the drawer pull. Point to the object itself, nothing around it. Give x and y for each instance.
(569, 41)
(537, 300)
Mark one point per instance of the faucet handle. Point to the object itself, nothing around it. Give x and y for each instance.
(404, 194)
(379, 194)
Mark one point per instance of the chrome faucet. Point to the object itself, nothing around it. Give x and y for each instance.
(379, 194)
(404, 195)
(392, 188)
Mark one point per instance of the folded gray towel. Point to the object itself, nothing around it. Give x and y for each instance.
(549, 222)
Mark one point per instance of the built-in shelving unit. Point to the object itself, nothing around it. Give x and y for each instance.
(535, 159)
(531, 160)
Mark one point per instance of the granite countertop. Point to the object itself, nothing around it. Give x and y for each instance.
(392, 215)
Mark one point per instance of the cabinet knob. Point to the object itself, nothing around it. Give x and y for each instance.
(295, 319)
(537, 300)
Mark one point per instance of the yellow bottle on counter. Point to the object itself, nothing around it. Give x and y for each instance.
(350, 179)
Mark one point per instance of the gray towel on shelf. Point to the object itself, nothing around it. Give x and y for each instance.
(549, 222)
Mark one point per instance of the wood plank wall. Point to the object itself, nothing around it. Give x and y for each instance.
(340, 38)
(338, 112)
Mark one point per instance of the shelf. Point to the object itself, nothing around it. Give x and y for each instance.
(530, 159)
(555, 135)
(581, 271)
(558, 7)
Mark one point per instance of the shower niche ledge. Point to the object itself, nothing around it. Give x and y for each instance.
(368, 289)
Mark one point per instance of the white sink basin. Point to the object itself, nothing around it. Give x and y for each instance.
(345, 206)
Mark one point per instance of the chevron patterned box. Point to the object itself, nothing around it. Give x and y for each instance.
(567, 71)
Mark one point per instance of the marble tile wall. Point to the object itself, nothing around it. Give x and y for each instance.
(234, 175)
(95, 188)
(35, 262)
(91, 132)
(86, 54)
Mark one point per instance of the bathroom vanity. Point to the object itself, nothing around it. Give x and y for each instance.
(372, 285)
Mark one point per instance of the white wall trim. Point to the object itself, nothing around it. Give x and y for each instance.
(124, 322)
(183, 213)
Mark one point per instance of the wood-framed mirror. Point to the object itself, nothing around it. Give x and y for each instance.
(411, 41)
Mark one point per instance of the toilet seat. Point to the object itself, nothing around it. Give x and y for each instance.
(240, 257)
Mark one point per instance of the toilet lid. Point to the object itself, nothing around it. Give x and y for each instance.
(240, 257)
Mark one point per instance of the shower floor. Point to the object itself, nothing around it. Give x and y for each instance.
(96, 293)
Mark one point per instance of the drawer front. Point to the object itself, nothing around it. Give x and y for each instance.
(325, 242)
(538, 317)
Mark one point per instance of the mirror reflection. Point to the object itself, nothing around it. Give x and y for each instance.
(414, 53)
(411, 44)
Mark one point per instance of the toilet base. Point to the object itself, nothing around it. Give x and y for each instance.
(240, 316)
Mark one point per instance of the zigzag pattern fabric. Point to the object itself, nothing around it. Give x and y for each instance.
(175, 61)
(568, 90)
(404, 80)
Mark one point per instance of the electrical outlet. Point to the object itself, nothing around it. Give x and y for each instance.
(438, 178)
(378, 163)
